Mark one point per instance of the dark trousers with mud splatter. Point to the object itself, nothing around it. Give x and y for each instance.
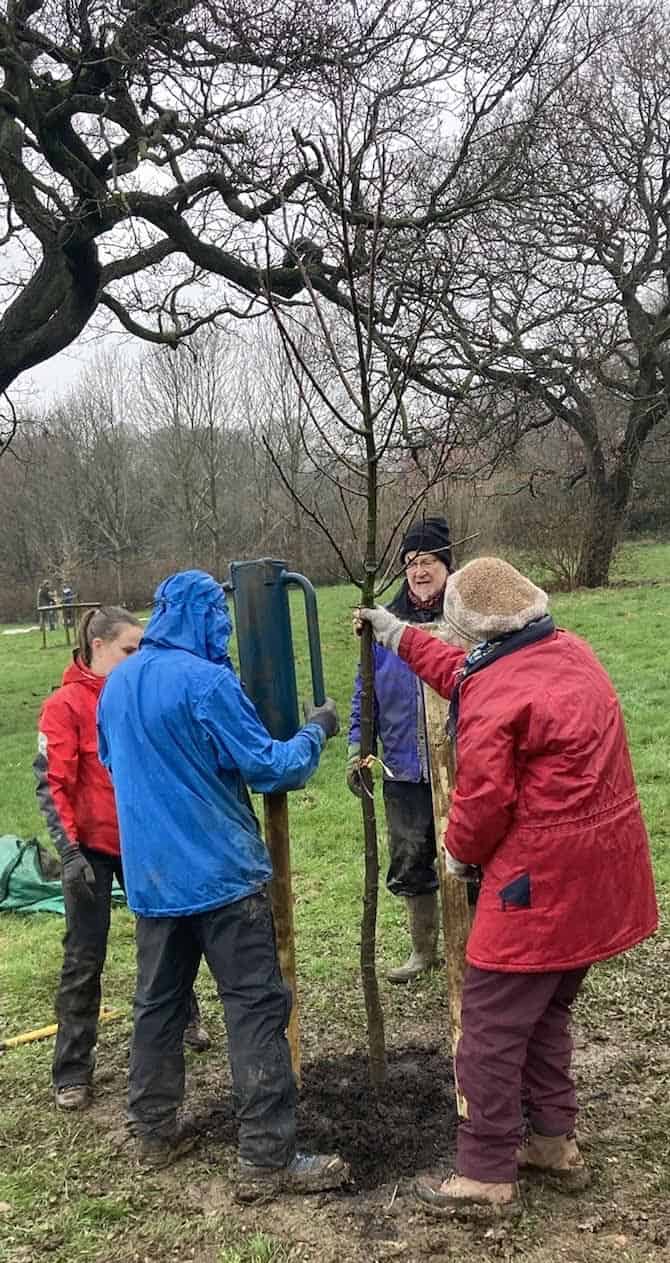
(411, 838)
(513, 1063)
(238, 944)
(79, 992)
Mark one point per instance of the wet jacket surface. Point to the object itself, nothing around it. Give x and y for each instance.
(399, 713)
(181, 741)
(73, 788)
(396, 714)
(545, 801)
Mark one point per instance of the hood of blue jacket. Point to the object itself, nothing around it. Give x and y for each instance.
(191, 613)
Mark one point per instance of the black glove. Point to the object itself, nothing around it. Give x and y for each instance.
(325, 716)
(78, 875)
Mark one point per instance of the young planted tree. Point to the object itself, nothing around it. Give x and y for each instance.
(351, 434)
(392, 188)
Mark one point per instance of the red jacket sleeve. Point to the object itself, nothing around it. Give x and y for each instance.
(56, 769)
(484, 798)
(436, 663)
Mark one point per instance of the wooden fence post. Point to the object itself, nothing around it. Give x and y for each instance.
(456, 911)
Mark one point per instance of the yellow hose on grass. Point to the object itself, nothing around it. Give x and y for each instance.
(45, 1032)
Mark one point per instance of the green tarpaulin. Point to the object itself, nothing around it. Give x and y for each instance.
(29, 878)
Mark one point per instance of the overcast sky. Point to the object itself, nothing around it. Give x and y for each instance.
(48, 381)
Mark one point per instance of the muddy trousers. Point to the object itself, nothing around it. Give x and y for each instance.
(513, 1060)
(79, 992)
(411, 838)
(238, 944)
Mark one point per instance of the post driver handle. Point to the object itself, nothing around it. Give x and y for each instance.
(290, 579)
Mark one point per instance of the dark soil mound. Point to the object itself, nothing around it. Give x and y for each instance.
(410, 1126)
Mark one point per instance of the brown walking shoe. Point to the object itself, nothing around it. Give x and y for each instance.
(461, 1198)
(555, 1159)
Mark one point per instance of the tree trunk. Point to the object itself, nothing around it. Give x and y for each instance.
(214, 503)
(373, 1007)
(608, 501)
(118, 566)
(298, 544)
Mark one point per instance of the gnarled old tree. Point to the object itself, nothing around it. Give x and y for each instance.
(561, 300)
(148, 147)
(141, 144)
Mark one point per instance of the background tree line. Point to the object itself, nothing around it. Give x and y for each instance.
(170, 459)
(428, 240)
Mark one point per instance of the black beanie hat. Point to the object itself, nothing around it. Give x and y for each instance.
(428, 535)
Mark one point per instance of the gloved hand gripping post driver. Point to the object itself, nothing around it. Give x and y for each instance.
(325, 716)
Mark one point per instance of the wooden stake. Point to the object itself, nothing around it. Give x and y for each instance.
(281, 893)
(456, 912)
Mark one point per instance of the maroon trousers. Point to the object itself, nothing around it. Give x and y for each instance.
(513, 1059)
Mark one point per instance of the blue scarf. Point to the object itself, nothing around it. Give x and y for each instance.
(490, 651)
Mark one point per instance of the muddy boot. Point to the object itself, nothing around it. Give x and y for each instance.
(74, 1097)
(422, 912)
(196, 1037)
(462, 1198)
(305, 1173)
(154, 1153)
(555, 1159)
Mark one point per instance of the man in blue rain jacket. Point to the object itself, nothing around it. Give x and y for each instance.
(181, 742)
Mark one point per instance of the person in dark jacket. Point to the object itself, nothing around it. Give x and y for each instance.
(182, 741)
(75, 795)
(45, 606)
(67, 599)
(545, 802)
(400, 726)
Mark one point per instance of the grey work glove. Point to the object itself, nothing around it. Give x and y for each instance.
(78, 876)
(386, 628)
(325, 716)
(463, 872)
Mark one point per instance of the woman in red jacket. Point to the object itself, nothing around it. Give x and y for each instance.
(76, 796)
(545, 804)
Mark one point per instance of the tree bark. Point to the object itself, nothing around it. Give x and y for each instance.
(118, 567)
(373, 1006)
(456, 912)
(608, 501)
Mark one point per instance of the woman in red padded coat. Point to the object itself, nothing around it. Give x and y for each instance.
(545, 804)
(76, 796)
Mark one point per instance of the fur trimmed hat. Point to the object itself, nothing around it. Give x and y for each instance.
(489, 598)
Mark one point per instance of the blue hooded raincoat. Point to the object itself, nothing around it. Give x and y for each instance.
(181, 741)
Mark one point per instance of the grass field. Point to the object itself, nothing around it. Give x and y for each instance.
(64, 1192)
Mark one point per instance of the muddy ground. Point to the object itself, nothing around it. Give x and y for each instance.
(622, 1061)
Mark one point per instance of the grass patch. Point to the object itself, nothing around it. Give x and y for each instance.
(72, 1199)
